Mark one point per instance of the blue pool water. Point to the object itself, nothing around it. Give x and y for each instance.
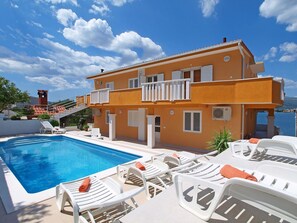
(41, 162)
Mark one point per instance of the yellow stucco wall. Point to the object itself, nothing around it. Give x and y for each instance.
(172, 125)
(226, 89)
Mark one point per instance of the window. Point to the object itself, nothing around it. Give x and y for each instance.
(133, 118)
(107, 112)
(192, 121)
(133, 83)
(110, 85)
(157, 124)
(152, 79)
(194, 74)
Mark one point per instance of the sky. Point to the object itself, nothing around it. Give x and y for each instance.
(55, 44)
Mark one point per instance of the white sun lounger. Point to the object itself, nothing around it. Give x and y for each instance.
(101, 195)
(47, 127)
(245, 150)
(153, 177)
(291, 139)
(274, 192)
(184, 157)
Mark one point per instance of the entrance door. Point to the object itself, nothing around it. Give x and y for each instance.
(157, 128)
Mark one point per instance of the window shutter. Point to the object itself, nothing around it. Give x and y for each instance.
(160, 77)
(141, 76)
(176, 75)
(206, 73)
(133, 118)
(131, 83)
(187, 126)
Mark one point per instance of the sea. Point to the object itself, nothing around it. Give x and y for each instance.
(284, 120)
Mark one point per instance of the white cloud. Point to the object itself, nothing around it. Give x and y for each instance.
(59, 83)
(289, 51)
(54, 2)
(290, 84)
(285, 52)
(271, 53)
(208, 7)
(119, 3)
(14, 5)
(100, 7)
(97, 33)
(283, 10)
(75, 63)
(47, 35)
(31, 23)
(66, 16)
(57, 59)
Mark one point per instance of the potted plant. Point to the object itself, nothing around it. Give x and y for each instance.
(86, 127)
(220, 140)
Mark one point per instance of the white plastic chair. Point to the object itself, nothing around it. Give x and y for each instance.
(246, 150)
(155, 175)
(47, 127)
(95, 133)
(274, 192)
(101, 195)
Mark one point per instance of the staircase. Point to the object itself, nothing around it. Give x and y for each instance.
(70, 111)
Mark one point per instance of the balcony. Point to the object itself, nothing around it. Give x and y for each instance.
(100, 96)
(252, 92)
(166, 90)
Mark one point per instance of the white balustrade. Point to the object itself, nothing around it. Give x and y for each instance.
(166, 90)
(100, 96)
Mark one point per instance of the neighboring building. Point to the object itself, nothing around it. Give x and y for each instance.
(186, 98)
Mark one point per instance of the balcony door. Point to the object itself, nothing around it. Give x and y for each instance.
(157, 128)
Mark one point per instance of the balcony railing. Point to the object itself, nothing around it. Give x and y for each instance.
(166, 90)
(100, 96)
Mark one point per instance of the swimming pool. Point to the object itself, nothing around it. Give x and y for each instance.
(42, 162)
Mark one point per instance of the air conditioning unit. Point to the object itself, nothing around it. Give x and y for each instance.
(221, 113)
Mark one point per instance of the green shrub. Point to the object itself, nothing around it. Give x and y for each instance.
(55, 123)
(28, 111)
(44, 116)
(15, 117)
(220, 140)
(86, 127)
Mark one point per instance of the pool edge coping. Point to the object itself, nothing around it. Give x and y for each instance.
(15, 197)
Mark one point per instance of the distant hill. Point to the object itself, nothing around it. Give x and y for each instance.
(290, 103)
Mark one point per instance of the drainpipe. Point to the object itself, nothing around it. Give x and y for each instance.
(242, 76)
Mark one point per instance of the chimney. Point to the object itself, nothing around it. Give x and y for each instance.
(102, 70)
(224, 40)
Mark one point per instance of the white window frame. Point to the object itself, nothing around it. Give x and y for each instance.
(154, 76)
(191, 70)
(134, 80)
(133, 120)
(107, 112)
(192, 126)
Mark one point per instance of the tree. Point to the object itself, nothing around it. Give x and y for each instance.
(10, 94)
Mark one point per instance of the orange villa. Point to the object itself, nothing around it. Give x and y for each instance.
(184, 99)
